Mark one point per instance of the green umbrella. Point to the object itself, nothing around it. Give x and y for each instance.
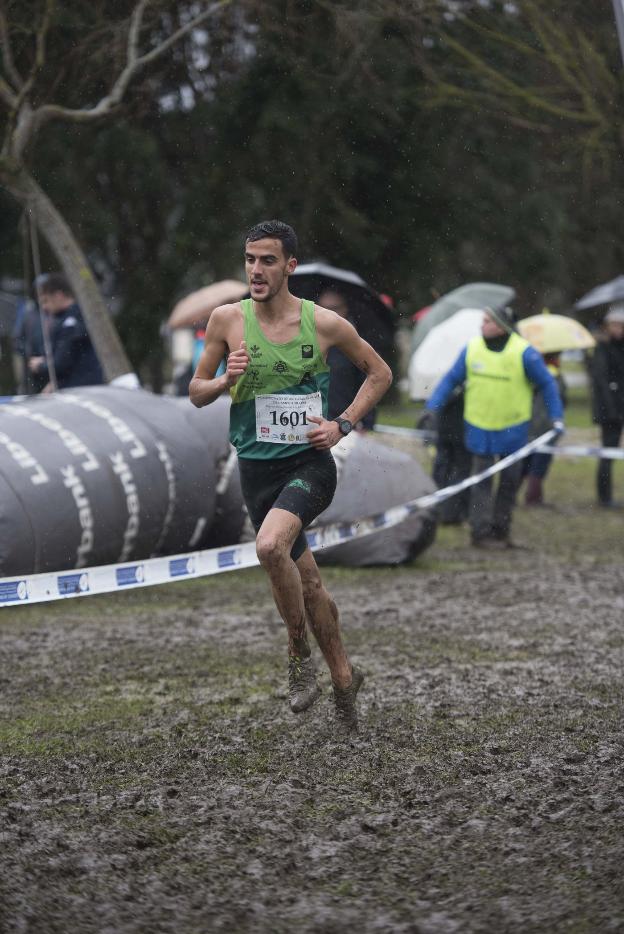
(474, 295)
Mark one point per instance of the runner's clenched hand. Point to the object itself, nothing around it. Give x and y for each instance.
(237, 363)
(326, 435)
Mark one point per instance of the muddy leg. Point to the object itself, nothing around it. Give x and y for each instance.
(323, 618)
(273, 543)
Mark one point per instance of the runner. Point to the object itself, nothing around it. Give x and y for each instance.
(278, 378)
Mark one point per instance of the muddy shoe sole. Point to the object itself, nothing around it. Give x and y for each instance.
(303, 689)
(346, 712)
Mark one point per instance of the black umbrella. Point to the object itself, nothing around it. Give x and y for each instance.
(372, 319)
(602, 295)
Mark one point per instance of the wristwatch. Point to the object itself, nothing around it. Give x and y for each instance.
(344, 425)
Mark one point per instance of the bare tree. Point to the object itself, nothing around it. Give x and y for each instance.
(28, 84)
(535, 68)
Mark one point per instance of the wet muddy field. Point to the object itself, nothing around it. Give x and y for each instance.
(153, 779)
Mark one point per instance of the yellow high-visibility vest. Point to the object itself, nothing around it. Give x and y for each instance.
(498, 393)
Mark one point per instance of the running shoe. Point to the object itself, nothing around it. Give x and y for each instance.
(302, 686)
(344, 698)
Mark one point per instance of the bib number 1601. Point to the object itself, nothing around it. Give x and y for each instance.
(288, 419)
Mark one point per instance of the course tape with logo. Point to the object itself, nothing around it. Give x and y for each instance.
(108, 578)
(562, 450)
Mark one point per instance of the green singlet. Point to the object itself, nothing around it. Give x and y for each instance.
(283, 384)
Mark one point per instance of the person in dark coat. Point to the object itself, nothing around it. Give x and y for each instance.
(537, 464)
(75, 360)
(453, 461)
(608, 396)
(345, 378)
(28, 343)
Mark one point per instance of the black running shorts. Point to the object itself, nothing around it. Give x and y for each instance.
(303, 484)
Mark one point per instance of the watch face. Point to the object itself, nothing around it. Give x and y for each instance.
(345, 426)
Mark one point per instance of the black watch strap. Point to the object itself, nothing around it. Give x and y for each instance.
(344, 425)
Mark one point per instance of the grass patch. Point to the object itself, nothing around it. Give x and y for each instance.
(61, 727)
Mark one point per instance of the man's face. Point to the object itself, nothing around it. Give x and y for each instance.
(334, 301)
(267, 268)
(53, 302)
(615, 330)
(490, 328)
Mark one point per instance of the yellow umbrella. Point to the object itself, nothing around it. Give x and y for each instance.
(554, 333)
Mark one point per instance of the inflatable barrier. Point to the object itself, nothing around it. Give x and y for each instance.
(103, 475)
(107, 476)
(372, 478)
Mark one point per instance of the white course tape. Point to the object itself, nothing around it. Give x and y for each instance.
(406, 432)
(583, 450)
(562, 450)
(108, 578)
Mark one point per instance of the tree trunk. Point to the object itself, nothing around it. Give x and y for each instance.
(7, 373)
(111, 354)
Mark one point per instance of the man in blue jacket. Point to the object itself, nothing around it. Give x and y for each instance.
(75, 361)
(499, 370)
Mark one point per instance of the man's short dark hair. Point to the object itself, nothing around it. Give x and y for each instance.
(53, 282)
(277, 230)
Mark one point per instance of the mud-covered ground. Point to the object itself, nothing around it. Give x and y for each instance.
(152, 778)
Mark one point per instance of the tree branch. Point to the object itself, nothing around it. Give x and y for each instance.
(134, 31)
(134, 63)
(7, 53)
(451, 95)
(40, 50)
(7, 95)
(25, 119)
(512, 90)
(30, 121)
(42, 33)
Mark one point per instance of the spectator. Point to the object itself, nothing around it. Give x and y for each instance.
(345, 378)
(498, 369)
(28, 343)
(536, 465)
(608, 396)
(75, 361)
(453, 461)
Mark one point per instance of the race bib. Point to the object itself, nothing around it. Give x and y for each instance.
(284, 419)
